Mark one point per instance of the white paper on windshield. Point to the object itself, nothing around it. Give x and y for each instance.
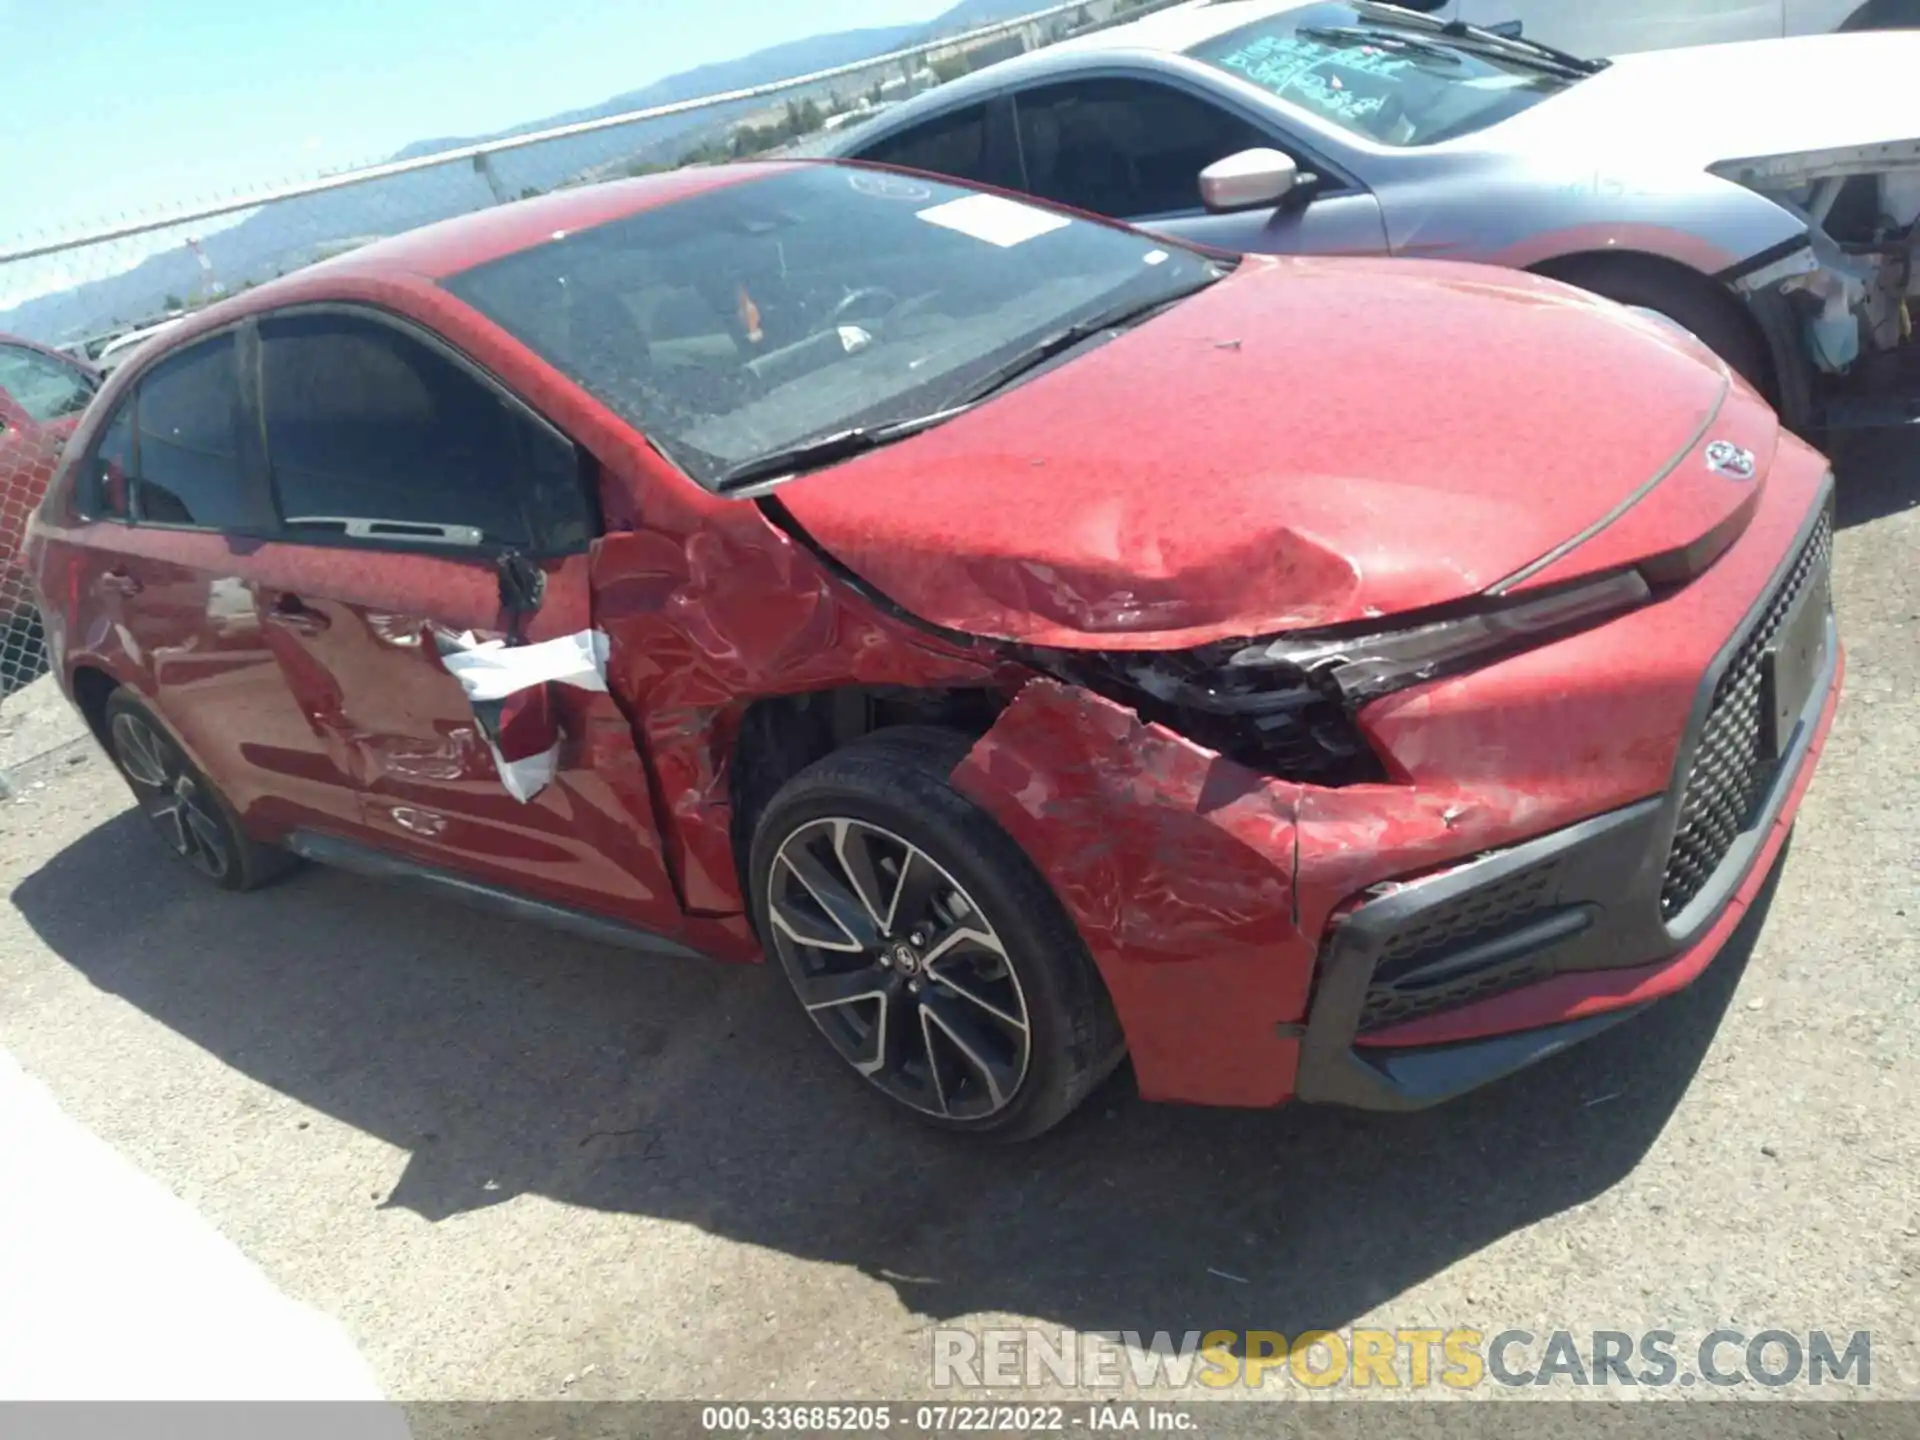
(994, 219)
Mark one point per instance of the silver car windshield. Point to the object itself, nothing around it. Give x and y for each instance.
(1391, 82)
(749, 321)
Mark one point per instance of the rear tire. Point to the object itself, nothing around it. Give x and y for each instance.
(192, 818)
(1695, 304)
(945, 973)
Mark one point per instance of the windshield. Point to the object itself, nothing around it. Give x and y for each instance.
(746, 321)
(46, 388)
(1391, 79)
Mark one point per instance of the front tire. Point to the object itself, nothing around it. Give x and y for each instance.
(1691, 301)
(924, 945)
(192, 818)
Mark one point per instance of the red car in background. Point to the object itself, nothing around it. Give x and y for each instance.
(1341, 680)
(42, 393)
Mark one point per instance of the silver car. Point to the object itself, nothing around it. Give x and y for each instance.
(1609, 27)
(1763, 195)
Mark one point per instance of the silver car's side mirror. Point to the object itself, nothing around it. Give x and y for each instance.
(1248, 180)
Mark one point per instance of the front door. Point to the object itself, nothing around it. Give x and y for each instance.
(402, 478)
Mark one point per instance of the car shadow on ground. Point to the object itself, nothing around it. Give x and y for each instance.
(508, 1060)
(1879, 475)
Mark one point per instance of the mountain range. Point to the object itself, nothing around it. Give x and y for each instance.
(283, 236)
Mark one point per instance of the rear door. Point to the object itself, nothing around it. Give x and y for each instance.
(176, 518)
(404, 476)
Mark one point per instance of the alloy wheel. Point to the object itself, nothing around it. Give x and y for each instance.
(169, 795)
(899, 968)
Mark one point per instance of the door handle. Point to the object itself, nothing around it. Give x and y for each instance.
(120, 582)
(290, 612)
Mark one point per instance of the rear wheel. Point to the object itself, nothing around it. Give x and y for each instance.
(191, 817)
(924, 945)
(1693, 302)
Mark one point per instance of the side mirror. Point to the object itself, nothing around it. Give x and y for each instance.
(1249, 180)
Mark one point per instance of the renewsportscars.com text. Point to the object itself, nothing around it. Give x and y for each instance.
(1405, 1359)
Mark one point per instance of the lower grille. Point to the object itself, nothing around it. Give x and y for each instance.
(1390, 1005)
(1398, 992)
(1730, 770)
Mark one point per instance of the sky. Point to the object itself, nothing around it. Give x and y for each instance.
(112, 107)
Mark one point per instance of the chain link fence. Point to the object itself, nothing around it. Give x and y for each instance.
(73, 307)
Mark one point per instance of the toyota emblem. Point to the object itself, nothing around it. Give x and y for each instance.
(1728, 459)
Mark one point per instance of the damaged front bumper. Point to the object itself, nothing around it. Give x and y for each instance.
(1255, 936)
(1579, 912)
(1842, 291)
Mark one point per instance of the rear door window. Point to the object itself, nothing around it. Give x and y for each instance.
(100, 490)
(187, 465)
(957, 144)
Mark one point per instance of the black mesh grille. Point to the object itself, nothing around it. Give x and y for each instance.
(1730, 769)
(1471, 919)
(1387, 1005)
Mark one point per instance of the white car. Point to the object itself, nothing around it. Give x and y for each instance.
(1614, 27)
(1763, 195)
(115, 352)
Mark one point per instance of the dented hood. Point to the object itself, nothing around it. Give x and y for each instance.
(1705, 106)
(1310, 441)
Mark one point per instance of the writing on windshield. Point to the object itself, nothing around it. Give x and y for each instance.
(1388, 77)
(1311, 70)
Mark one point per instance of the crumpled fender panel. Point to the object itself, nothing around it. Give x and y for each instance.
(1177, 868)
(706, 619)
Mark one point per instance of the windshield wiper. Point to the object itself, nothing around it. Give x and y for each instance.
(1385, 39)
(858, 439)
(1060, 341)
(1520, 47)
(826, 450)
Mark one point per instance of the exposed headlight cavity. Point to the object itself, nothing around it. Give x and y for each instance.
(1286, 705)
(1368, 666)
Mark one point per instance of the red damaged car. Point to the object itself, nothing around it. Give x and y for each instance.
(1331, 679)
(42, 393)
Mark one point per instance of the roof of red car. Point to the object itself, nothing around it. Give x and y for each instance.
(45, 349)
(450, 246)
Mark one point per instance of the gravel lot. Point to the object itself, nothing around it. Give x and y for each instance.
(513, 1164)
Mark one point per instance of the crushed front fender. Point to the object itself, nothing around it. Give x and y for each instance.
(1177, 868)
